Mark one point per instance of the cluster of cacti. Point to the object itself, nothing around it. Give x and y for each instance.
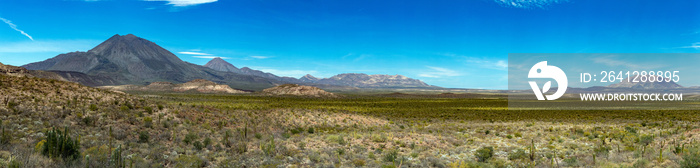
(117, 160)
(60, 144)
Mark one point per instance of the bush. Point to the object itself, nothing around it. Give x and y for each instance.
(572, 162)
(484, 154)
(358, 162)
(143, 137)
(391, 156)
(519, 154)
(93, 107)
(189, 138)
(310, 130)
(59, 144)
(645, 139)
(148, 122)
(189, 161)
(691, 158)
(207, 142)
(148, 109)
(198, 145)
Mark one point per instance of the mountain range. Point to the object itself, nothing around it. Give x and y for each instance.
(128, 59)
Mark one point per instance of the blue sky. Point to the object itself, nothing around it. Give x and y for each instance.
(460, 43)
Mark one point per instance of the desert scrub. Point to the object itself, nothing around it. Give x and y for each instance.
(336, 139)
(484, 154)
(143, 137)
(148, 122)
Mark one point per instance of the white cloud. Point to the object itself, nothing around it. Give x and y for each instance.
(695, 45)
(182, 3)
(13, 26)
(488, 63)
(193, 53)
(61, 46)
(211, 57)
(259, 57)
(437, 72)
(529, 3)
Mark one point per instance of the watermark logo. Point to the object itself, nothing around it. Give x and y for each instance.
(542, 70)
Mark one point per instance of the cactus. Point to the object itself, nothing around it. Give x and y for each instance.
(532, 150)
(59, 144)
(117, 160)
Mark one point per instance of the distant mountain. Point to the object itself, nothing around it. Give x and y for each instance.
(628, 83)
(221, 65)
(368, 81)
(129, 59)
(308, 78)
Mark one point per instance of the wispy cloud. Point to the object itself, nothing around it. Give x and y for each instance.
(199, 54)
(438, 72)
(211, 57)
(488, 63)
(183, 3)
(193, 53)
(529, 3)
(13, 26)
(259, 57)
(695, 45)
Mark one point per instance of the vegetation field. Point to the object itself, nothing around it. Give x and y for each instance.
(49, 123)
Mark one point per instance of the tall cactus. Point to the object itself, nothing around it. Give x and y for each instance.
(60, 144)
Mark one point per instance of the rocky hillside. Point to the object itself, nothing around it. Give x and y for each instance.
(298, 90)
(197, 85)
(368, 81)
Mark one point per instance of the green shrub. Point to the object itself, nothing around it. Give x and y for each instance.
(60, 144)
(143, 137)
(93, 107)
(148, 109)
(646, 139)
(358, 162)
(484, 153)
(189, 138)
(148, 122)
(207, 141)
(198, 145)
(519, 154)
(189, 161)
(571, 161)
(310, 130)
(691, 158)
(391, 156)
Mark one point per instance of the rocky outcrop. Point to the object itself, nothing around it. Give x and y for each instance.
(197, 85)
(298, 90)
